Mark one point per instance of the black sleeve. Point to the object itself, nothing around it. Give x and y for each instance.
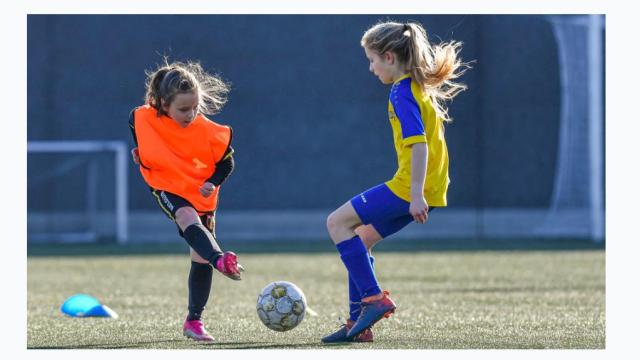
(223, 168)
(132, 127)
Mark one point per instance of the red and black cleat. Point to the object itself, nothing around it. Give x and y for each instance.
(371, 313)
(341, 335)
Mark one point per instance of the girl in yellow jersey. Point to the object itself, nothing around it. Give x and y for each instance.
(421, 78)
(184, 157)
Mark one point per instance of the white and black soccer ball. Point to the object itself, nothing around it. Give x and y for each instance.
(281, 306)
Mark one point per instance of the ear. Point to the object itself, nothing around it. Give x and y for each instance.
(388, 57)
(163, 105)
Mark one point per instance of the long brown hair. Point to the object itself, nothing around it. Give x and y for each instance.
(168, 80)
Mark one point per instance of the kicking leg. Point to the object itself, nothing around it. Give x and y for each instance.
(204, 244)
(197, 235)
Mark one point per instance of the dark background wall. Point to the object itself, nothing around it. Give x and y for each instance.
(310, 122)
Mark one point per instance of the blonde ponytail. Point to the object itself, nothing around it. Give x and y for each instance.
(433, 67)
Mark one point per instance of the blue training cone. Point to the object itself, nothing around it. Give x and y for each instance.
(82, 305)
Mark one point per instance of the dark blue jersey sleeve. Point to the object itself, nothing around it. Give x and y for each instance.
(406, 108)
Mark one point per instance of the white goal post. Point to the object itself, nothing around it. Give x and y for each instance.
(578, 185)
(120, 151)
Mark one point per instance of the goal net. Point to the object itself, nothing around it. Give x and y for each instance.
(72, 193)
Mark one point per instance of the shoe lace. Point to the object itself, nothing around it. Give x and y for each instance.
(342, 322)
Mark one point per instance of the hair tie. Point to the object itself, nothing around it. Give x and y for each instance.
(405, 28)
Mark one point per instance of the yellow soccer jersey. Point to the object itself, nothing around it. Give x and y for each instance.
(413, 120)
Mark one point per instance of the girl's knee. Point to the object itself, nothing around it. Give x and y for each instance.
(333, 222)
(186, 216)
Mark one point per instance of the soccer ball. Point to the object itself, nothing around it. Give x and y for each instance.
(281, 306)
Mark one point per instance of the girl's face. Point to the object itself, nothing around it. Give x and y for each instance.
(184, 108)
(383, 66)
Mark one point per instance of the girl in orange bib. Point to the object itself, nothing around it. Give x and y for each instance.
(184, 158)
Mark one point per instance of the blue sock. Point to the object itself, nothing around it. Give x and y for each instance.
(354, 296)
(355, 257)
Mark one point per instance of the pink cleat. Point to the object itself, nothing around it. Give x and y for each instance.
(195, 330)
(228, 265)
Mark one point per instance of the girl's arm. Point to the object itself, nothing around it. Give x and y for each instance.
(135, 153)
(418, 208)
(224, 168)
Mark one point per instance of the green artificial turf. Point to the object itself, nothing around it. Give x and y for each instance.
(446, 300)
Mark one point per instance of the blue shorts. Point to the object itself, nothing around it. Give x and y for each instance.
(384, 210)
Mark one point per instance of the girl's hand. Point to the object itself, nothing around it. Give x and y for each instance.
(136, 155)
(419, 210)
(207, 189)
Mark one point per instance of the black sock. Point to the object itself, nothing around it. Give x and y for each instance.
(199, 287)
(202, 242)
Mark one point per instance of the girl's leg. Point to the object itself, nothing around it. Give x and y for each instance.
(358, 218)
(369, 237)
(341, 225)
(200, 277)
(204, 251)
(205, 245)
(197, 235)
(342, 222)
(382, 214)
(201, 243)
(371, 312)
